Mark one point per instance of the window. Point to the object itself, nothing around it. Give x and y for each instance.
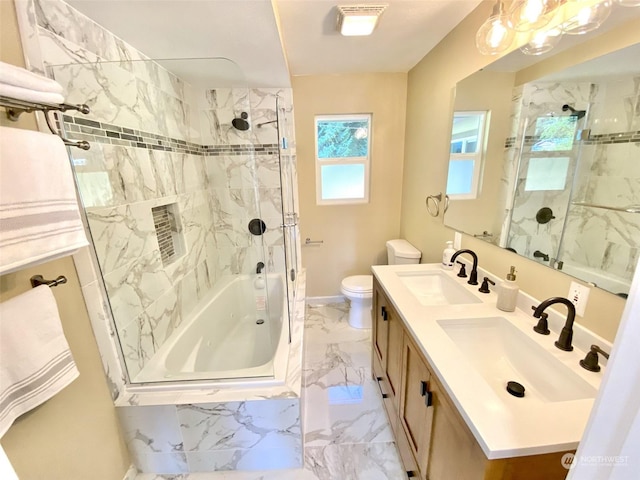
(465, 158)
(343, 144)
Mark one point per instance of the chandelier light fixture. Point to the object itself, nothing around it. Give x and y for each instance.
(588, 19)
(495, 36)
(528, 15)
(532, 18)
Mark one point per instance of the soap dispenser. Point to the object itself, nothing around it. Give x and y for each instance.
(448, 252)
(508, 292)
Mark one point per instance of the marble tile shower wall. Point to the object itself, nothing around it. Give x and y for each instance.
(157, 140)
(609, 175)
(526, 235)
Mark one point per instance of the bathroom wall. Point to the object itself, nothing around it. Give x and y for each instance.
(354, 236)
(159, 140)
(429, 106)
(76, 434)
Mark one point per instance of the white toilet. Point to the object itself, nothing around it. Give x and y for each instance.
(359, 288)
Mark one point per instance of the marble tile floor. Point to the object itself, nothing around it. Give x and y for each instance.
(346, 433)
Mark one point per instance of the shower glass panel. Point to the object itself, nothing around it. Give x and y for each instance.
(169, 188)
(548, 160)
(286, 148)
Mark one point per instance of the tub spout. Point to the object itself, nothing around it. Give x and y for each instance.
(259, 268)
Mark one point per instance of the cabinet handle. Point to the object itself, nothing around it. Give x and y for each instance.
(383, 312)
(424, 392)
(379, 379)
(411, 474)
(428, 399)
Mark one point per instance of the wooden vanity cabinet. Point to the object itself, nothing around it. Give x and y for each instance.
(433, 439)
(416, 402)
(387, 342)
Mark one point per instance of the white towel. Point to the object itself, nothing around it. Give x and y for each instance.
(19, 77)
(39, 215)
(27, 95)
(35, 360)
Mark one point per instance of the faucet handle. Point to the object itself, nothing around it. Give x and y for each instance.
(590, 361)
(543, 324)
(484, 288)
(463, 272)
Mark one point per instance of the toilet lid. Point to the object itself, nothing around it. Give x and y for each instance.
(358, 283)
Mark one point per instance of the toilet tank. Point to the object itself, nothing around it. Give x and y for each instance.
(402, 252)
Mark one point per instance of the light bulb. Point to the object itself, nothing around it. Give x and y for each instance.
(527, 15)
(588, 19)
(542, 42)
(494, 35)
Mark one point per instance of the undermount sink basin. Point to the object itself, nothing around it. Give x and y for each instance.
(436, 288)
(502, 353)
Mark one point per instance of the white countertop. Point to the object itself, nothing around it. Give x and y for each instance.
(504, 426)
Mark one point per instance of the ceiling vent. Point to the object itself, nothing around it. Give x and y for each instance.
(357, 20)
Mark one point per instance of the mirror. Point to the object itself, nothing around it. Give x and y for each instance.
(560, 179)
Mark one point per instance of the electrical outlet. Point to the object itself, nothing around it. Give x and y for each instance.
(457, 240)
(578, 295)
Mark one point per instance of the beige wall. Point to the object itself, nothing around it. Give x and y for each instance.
(75, 435)
(354, 235)
(429, 106)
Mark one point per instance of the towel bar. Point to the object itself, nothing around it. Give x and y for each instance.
(16, 107)
(38, 280)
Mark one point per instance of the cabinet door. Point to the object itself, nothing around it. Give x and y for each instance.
(416, 412)
(380, 325)
(455, 454)
(394, 353)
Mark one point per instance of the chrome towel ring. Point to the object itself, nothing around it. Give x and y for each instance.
(433, 207)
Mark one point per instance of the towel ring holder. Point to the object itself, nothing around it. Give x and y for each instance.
(434, 207)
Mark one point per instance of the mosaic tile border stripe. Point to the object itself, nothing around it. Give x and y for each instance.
(92, 131)
(604, 139)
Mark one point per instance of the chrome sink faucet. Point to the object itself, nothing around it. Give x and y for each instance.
(473, 276)
(566, 335)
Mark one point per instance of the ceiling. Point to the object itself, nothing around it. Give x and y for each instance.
(246, 31)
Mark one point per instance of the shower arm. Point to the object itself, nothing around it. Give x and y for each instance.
(259, 125)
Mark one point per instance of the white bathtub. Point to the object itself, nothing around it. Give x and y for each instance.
(223, 341)
(600, 279)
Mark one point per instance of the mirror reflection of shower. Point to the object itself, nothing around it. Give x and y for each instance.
(574, 113)
(259, 125)
(241, 123)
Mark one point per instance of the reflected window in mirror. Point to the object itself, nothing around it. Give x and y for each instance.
(465, 159)
(544, 173)
(555, 134)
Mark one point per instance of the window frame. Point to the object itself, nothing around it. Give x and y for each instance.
(477, 157)
(365, 160)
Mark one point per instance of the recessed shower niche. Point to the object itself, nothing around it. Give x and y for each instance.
(166, 221)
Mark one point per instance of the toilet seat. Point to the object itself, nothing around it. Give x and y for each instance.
(358, 286)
